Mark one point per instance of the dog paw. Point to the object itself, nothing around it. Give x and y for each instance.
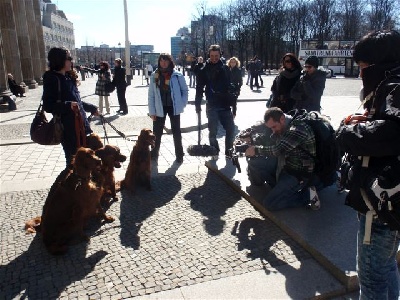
(108, 219)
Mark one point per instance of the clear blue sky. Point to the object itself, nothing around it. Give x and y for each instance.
(150, 22)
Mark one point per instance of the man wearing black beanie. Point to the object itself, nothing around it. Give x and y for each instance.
(307, 92)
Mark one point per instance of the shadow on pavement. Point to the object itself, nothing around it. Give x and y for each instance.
(36, 274)
(258, 237)
(137, 207)
(213, 204)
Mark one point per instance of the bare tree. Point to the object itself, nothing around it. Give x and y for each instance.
(381, 15)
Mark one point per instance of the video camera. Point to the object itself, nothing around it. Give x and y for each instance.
(243, 141)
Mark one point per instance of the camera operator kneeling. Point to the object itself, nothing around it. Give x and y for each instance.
(286, 165)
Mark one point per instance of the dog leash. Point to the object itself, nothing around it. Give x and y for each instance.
(121, 134)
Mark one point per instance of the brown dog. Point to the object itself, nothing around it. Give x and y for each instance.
(111, 158)
(93, 141)
(139, 168)
(72, 200)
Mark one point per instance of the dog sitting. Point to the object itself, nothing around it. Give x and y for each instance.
(111, 158)
(72, 200)
(139, 168)
(93, 141)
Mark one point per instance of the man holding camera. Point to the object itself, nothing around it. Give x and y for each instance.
(286, 165)
(213, 80)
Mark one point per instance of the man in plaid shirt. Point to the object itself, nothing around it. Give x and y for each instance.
(286, 165)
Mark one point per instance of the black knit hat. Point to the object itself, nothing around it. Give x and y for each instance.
(312, 60)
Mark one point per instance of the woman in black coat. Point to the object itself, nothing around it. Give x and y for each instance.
(61, 97)
(283, 83)
(236, 80)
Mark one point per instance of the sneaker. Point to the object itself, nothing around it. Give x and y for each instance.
(314, 204)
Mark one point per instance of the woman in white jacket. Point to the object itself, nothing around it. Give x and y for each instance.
(168, 95)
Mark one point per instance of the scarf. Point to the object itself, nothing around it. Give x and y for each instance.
(162, 78)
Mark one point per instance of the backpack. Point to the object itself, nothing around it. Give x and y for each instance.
(327, 157)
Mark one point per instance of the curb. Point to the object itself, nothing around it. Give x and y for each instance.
(350, 282)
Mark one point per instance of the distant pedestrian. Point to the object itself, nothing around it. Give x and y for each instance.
(58, 84)
(120, 85)
(283, 83)
(168, 95)
(254, 73)
(15, 88)
(236, 81)
(192, 75)
(308, 90)
(148, 72)
(199, 65)
(104, 77)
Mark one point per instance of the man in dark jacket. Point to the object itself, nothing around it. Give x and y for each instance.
(307, 92)
(120, 85)
(213, 79)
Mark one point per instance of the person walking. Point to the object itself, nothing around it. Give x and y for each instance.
(120, 85)
(104, 77)
(213, 80)
(283, 83)
(61, 97)
(167, 95)
(308, 90)
(236, 81)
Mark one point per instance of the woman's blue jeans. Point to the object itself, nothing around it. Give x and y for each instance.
(376, 262)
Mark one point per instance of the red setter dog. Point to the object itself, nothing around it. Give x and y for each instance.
(72, 200)
(93, 141)
(139, 168)
(111, 158)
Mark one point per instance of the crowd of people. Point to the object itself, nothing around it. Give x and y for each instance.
(281, 162)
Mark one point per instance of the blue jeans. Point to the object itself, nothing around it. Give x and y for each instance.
(376, 263)
(225, 117)
(288, 191)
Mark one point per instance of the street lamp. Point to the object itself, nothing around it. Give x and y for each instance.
(119, 45)
(183, 55)
(204, 35)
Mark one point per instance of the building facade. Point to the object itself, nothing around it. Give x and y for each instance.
(21, 44)
(57, 30)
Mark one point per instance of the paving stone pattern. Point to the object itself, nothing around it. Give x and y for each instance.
(189, 229)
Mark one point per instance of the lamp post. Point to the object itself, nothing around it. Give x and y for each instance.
(183, 55)
(119, 46)
(204, 35)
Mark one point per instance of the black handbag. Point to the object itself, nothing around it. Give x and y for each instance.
(46, 132)
(109, 87)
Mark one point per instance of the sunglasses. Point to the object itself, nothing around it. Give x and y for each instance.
(308, 67)
(69, 58)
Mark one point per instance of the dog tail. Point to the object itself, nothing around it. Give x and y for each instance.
(33, 225)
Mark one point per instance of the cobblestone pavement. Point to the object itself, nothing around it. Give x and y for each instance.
(190, 229)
